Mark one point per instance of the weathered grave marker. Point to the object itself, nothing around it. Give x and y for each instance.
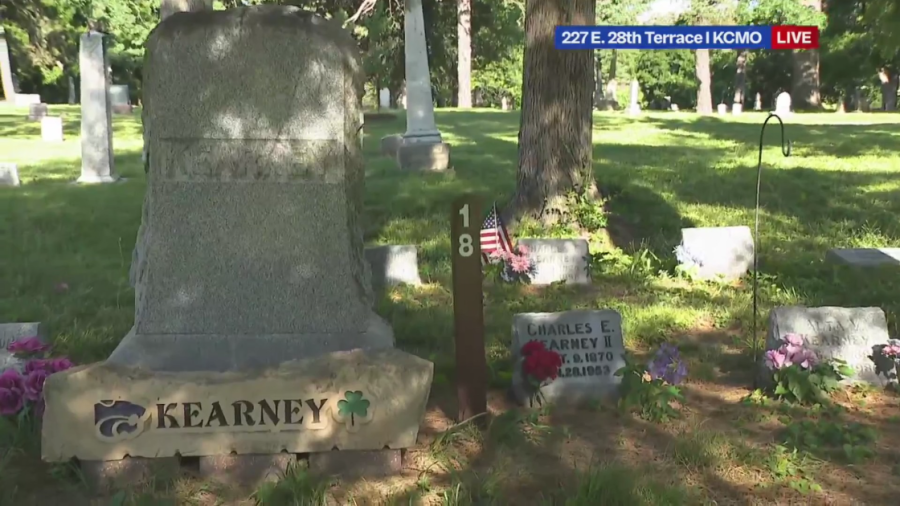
(393, 265)
(468, 306)
(558, 260)
(713, 252)
(847, 333)
(10, 332)
(865, 257)
(9, 174)
(591, 345)
(37, 111)
(783, 104)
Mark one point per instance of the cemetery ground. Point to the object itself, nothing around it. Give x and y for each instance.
(67, 251)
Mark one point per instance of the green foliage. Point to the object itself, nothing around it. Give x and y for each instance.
(651, 398)
(667, 73)
(854, 441)
(810, 386)
(586, 211)
(790, 467)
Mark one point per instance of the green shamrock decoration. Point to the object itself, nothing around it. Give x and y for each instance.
(353, 405)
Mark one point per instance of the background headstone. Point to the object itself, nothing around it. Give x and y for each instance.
(37, 111)
(592, 347)
(865, 257)
(722, 109)
(254, 195)
(783, 103)
(393, 265)
(9, 174)
(96, 116)
(52, 129)
(847, 333)
(504, 103)
(674, 107)
(120, 99)
(634, 107)
(559, 260)
(22, 99)
(713, 252)
(737, 108)
(423, 147)
(10, 332)
(384, 98)
(170, 7)
(6, 75)
(72, 97)
(757, 103)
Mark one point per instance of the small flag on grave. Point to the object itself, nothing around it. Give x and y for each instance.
(494, 236)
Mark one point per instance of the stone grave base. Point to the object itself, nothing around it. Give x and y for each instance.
(167, 352)
(93, 179)
(390, 144)
(865, 257)
(246, 471)
(423, 156)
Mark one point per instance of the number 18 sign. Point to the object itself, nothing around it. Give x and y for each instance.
(468, 306)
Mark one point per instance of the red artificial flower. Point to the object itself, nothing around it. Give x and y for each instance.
(532, 347)
(542, 365)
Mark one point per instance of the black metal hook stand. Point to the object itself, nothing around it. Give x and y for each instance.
(786, 151)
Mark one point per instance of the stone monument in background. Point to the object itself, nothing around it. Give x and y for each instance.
(634, 107)
(6, 75)
(96, 116)
(253, 302)
(421, 147)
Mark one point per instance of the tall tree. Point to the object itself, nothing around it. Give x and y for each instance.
(740, 77)
(464, 53)
(884, 18)
(556, 122)
(706, 12)
(805, 76)
(616, 13)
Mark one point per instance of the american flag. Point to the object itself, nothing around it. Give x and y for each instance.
(493, 235)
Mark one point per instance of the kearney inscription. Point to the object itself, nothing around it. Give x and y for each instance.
(353, 400)
(122, 420)
(590, 344)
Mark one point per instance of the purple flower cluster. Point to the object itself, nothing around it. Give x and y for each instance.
(667, 365)
(793, 351)
(18, 388)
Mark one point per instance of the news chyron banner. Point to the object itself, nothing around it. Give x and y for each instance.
(687, 37)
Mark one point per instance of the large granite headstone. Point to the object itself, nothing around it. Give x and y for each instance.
(847, 333)
(558, 260)
(10, 332)
(716, 252)
(250, 250)
(393, 265)
(592, 348)
(865, 257)
(96, 116)
(9, 174)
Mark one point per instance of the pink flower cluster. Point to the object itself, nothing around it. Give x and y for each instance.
(17, 388)
(891, 350)
(792, 352)
(517, 259)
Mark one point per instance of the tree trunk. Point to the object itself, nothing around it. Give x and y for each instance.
(464, 49)
(805, 76)
(556, 121)
(889, 81)
(740, 77)
(612, 92)
(598, 81)
(704, 81)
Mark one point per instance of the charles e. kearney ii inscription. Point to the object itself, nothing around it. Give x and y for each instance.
(590, 344)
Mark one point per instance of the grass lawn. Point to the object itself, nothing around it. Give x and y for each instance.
(66, 251)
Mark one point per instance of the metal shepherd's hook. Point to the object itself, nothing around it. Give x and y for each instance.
(786, 151)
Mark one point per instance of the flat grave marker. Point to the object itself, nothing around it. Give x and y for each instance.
(558, 260)
(590, 343)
